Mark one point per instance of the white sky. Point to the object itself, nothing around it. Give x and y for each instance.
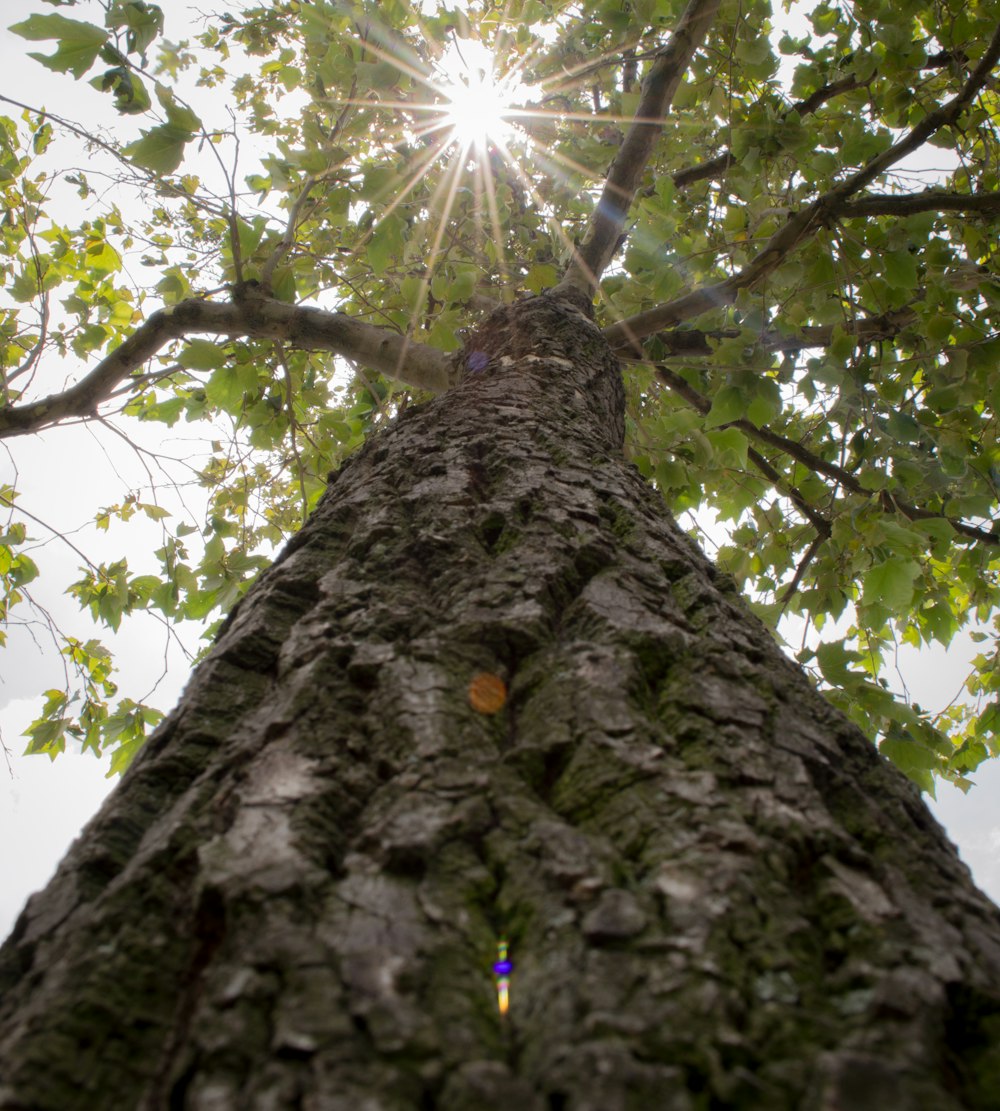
(66, 474)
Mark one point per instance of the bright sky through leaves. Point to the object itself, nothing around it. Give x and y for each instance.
(817, 316)
(480, 99)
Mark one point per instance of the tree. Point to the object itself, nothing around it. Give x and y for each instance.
(809, 336)
(490, 695)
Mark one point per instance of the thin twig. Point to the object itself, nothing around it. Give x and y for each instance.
(279, 347)
(790, 591)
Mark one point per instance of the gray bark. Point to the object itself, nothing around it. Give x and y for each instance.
(717, 894)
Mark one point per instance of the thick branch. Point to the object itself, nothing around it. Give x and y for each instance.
(921, 132)
(930, 200)
(817, 520)
(622, 182)
(802, 225)
(694, 342)
(713, 168)
(866, 329)
(627, 335)
(888, 502)
(416, 364)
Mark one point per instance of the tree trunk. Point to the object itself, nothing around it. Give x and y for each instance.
(716, 893)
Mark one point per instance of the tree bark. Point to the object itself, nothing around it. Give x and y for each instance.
(716, 893)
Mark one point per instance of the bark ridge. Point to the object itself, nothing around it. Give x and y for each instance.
(716, 894)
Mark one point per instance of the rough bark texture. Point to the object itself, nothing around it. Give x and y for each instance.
(717, 895)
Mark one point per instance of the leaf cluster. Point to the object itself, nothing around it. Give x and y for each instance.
(805, 286)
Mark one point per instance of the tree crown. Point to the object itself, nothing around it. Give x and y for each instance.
(789, 236)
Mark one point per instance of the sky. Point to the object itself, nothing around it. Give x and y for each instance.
(65, 474)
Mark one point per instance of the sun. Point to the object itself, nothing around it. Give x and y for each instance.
(479, 103)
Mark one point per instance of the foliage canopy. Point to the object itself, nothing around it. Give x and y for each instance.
(788, 221)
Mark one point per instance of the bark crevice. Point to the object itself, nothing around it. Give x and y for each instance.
(714, 890)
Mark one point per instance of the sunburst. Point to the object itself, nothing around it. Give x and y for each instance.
(478, 116)
(480, 104)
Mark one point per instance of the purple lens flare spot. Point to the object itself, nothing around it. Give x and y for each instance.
(477, 361)
(503, 968)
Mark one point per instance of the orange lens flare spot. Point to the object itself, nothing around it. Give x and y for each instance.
(487, 693)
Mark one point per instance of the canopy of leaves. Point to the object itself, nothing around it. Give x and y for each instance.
(802, 276)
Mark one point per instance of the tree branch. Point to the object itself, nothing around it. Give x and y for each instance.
(287, 240)
(888, 502)
(810, 553)
(816, 519)
(800, 226)
(921, 132)
(622, 182)
(866, 329)
(415, 364)
(717, 166)
(626, 336)
(694, 342)
(161, 183)
(699, 402)
(930, 200)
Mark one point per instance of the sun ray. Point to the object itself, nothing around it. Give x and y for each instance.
(556, 227)
(510, 113)
(583, 68)
(431, 156)
(479, 99)
(422, 76)
(553, 224)
(470, 109)
(553, 155)
(582, 117)
(458, 161)
(455, 170)
(486, 170)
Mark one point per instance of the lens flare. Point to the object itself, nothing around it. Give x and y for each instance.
(503, 966)
(479, 101)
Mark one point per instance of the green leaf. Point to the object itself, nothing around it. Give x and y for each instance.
(728, 405)
(936, 527)
(890, 584)
(670, 475)
(754, 51)
(386, 243)
(167, 411)
(143, 21)
(46, 735)
(160, 149)
(730, 446)
(131, 95)
(201, 354)
(913, 760)
(178, 115)
(228, 385)
(542, 276)
(79, 43)
(901, 269)
(766, 402)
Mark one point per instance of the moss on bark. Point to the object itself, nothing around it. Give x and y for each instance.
(716, 893)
